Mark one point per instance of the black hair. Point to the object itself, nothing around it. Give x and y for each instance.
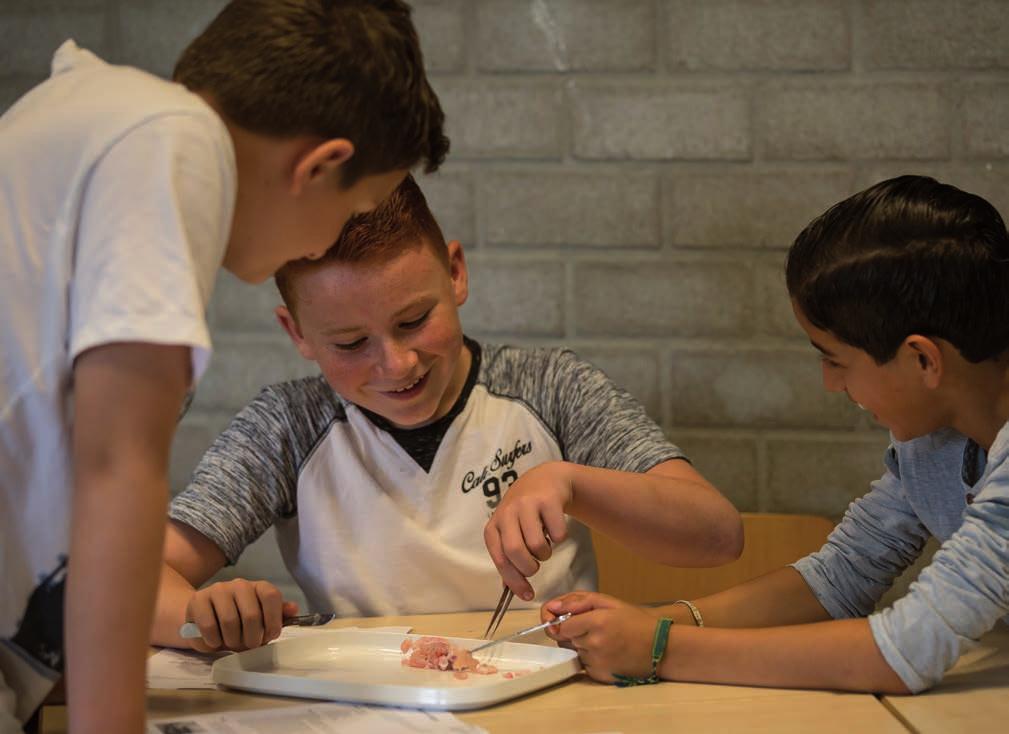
(906, 256)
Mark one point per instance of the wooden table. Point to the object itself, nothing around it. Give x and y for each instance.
(973, 697)
(581, 706)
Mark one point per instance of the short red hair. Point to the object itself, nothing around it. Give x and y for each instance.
(402, 222)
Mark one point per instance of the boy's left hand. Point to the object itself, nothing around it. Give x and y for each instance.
(530, 517)
(611, 636)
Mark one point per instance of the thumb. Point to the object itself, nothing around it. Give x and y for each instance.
(576, 603)
(290, 609)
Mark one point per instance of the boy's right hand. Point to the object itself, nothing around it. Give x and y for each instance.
(237, 615)
(611, 636)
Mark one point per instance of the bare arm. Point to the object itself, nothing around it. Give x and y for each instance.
(837, 655)
(778, 598)
(670, 513)
(613, 637)
(190, 558)
(233, 615)
(126, 404)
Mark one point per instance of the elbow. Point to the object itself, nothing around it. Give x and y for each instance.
(896, 687)
(725, 541)
(732, 537)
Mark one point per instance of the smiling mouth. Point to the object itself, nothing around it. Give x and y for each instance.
(410, 386)
(408, 390)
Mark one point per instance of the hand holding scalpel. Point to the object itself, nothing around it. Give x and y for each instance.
(189, 631)
(523, 633)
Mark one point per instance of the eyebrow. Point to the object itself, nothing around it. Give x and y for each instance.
(349, 329)
(825, 352)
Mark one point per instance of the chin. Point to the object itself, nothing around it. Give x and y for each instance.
(246, 273)
(903, 435)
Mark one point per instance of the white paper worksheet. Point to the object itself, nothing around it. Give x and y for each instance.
(317, 719)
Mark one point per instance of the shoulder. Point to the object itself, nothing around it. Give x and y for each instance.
(942, 448)
(506, 365)
(298, 395)
(308, 404)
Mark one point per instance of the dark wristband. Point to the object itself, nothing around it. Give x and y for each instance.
(659, 643)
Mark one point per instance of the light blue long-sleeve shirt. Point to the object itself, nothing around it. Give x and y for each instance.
(938, 485)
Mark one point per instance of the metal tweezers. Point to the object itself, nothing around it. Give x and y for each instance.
(499, 612)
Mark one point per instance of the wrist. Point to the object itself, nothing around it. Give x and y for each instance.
(660, 642)
(567, 473)
(692, 610)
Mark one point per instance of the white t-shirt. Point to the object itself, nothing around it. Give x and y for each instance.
(375, 520)
(116, 195)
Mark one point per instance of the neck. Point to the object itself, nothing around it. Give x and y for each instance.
(458, 381)
(983, 403)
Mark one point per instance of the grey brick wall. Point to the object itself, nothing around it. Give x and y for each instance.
(626, 176)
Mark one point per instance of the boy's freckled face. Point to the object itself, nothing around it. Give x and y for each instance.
(387, 335)
(890, 392)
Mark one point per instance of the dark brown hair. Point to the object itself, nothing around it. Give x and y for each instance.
(907, 256)
(328, 68)
(402, 222)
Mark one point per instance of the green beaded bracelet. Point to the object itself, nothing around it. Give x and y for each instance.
(658, 650)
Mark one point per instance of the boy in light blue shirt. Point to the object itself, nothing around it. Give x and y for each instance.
(904, 290)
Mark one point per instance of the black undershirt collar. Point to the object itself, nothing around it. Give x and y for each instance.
(422, 443)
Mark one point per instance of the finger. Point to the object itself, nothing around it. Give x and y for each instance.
(513, 543)
(271, 602)
(228, 618)
(201, 612)
(290, 609)
(556, 636)
(199, 645)
(250, 614)
(575, 602)
(492, 539)
(598, 672)
(510, 575)
(555, 523)
(533, 533)
(578, 626)
(547, 616)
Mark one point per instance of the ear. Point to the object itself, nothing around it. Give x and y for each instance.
(290, 324)
(928, 359)
(457, 270)
(320, 163)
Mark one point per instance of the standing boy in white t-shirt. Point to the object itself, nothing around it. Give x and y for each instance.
(120, 196)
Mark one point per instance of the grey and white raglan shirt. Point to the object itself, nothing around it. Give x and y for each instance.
(374, 520)
(940, 485)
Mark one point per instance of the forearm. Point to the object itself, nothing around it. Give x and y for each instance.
(779, 598)
(675, 520)
(837, 655)
(116, 540)
(174, 593)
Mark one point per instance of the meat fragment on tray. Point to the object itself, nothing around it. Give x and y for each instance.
(435, 653)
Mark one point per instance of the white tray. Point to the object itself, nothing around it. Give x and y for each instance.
(365, 667)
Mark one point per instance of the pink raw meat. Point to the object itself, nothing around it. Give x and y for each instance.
(435, 653)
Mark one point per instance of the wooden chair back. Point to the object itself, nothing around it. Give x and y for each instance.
(771, 541)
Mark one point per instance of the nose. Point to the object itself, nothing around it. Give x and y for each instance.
(398, 359)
